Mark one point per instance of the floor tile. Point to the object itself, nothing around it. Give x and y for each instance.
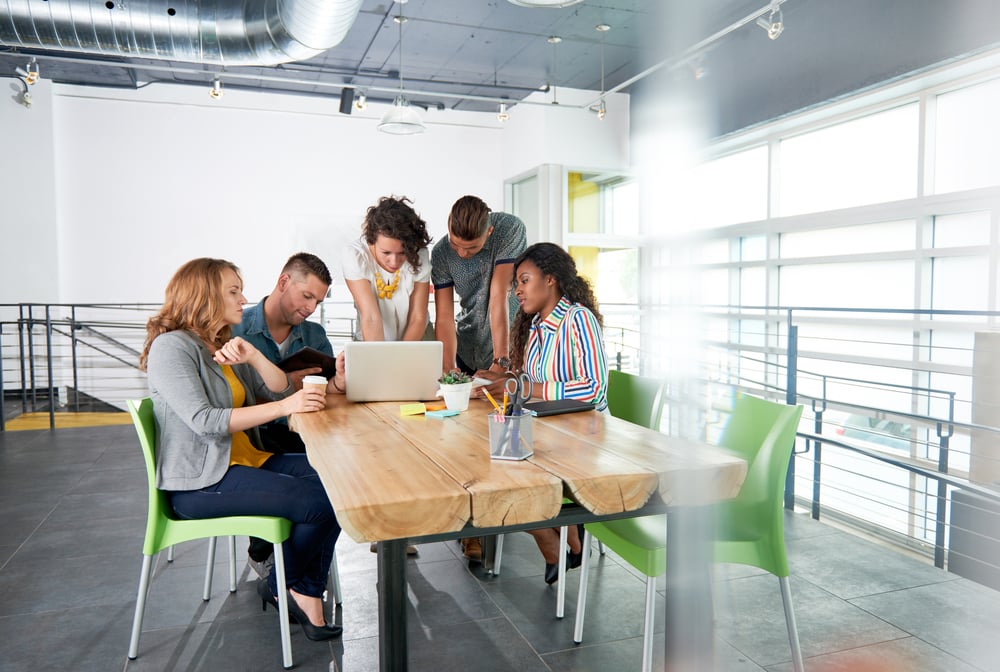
(900, 655)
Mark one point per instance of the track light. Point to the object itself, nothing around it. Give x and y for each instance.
(502, 114)
(361, 102)
(773, 24)
(601, 110)
(29, 73)
(346, 100)
(216, 90)
(401, 119)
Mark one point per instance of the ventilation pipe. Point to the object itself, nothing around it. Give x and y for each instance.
(220, 32)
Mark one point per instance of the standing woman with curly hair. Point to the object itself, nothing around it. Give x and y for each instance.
(388, 272)
(556, 339)
(210, 392)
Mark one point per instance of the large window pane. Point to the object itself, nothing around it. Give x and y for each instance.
(621, 209)
(967, 141)
(848, 285)
(968, 228)
(725, 191)
(884, 237)
(961, 283)
(859, 162)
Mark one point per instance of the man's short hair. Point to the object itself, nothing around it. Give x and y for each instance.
(469, 218)
(304, 264)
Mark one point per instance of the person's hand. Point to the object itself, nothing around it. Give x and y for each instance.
(297, 376)
(305, 401)
(338, 384)
(496, 386)
(236, 351)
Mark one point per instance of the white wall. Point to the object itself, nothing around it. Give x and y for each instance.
(27, 195)
(140, 181)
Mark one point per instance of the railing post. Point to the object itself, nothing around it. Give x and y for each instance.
(76, 382)
(791, 394)
(818, 406)
(31, 357)
(3, 391)
(48, 365)
(941, 513)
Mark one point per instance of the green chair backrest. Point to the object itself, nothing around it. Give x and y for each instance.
(635, 398)
(157, 520)
(751, 526)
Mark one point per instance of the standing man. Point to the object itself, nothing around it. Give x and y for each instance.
(476, 261)
(278, 327)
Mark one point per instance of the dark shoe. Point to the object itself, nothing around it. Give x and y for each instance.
(260, 550)
(314, 633)
(266, 597)
(574, 560)
(551, 573)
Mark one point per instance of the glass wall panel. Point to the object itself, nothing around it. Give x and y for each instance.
(724, 191)
(967, 138)
(848, 285)
(881, 237)
(967, 228)
(584, 200)
(858, 162)
(960, 283)
(621, 209)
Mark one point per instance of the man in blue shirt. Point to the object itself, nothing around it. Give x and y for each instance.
(278, 326)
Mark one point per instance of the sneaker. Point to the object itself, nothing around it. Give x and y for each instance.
(472, 548)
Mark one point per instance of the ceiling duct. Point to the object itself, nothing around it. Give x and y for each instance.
(222, 32)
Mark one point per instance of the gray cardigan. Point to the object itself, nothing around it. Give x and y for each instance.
(192, 403)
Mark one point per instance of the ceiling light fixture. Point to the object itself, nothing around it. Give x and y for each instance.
(601, 109)
(29, 73)
(773, 24)
(551, 4)
(401, 119)
(502, 114)
(554, 40)
(347, 100)
(25, 96)
(361, 102)
(216, 90)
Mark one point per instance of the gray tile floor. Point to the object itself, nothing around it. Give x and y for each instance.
(73, 503)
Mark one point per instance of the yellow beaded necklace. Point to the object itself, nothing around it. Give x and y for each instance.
(386, 291)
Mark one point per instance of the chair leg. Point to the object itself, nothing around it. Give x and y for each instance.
(581, 595)
(600, 547)
(793, 628)
(207, 593)
(338, 596)
(286, 635)
(497, 555)
(232, 564)
(561, 588)
(170, 554)
(140, 606)
(648, 623)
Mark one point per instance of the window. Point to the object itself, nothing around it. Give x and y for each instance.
(967, 138)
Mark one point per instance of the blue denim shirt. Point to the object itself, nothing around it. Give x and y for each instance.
(254, 329)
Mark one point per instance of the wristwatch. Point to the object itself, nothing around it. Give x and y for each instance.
(503, 362)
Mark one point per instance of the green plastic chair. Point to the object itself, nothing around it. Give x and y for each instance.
(163, 531)
(749, 528)
(635, 398)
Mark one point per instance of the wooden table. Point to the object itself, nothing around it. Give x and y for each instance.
(394, 478)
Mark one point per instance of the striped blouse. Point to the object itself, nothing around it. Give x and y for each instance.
(565, 356)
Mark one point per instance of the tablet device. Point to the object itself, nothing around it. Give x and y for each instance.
(308, 358)
(393, 370)
(557, 406)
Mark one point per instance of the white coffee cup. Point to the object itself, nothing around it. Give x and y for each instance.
(319, 382)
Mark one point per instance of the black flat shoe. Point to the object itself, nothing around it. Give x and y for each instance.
(551, 572)
(574, 560)
(314, 633)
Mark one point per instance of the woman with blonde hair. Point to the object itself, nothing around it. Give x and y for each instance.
(210, 392)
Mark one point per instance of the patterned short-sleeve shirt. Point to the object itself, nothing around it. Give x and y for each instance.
(471, 280)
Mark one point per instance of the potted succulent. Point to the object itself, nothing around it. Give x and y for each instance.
(456, 386)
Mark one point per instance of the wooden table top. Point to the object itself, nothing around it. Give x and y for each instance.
(392, 477)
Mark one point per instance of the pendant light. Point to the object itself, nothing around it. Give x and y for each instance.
(401, 119)
(601, 109)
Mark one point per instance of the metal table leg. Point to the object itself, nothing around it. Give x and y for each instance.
(689, 636)
(392, 646)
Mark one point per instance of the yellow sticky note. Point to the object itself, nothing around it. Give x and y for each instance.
(412, 409)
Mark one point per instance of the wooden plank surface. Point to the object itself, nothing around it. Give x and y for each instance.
(688, 472)
(502, 492)
(379, 485)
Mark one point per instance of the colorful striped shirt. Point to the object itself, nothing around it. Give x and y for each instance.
(565, 355)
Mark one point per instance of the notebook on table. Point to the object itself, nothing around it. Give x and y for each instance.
(557, 406)
(392, 370)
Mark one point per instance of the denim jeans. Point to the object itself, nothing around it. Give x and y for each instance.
(285, 486)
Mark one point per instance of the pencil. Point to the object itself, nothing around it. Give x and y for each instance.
(492, 401)
(504, 411)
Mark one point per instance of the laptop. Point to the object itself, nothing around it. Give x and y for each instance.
(392, 370)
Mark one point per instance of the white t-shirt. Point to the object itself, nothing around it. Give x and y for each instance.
(359, 264)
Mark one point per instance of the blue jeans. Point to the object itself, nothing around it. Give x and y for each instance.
(285, 486)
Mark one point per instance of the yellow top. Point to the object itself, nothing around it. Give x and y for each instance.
(243, 451)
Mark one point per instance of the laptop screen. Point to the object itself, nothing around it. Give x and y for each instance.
(392, 370)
